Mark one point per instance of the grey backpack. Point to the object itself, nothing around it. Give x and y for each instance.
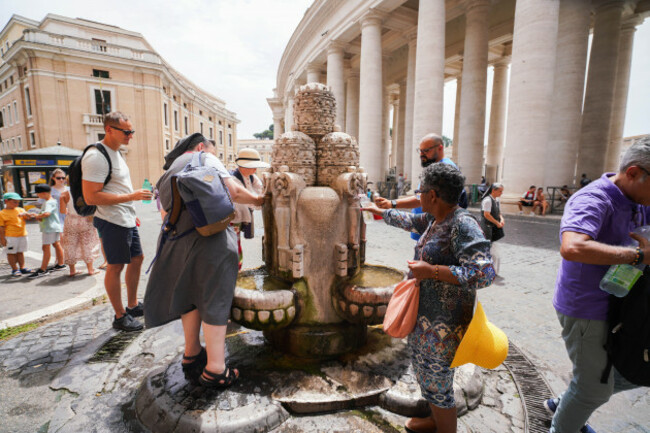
(201, 191)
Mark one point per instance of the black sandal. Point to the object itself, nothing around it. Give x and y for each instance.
(223, 380)
(192, 370)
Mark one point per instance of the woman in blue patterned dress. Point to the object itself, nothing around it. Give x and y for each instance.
(452, 260)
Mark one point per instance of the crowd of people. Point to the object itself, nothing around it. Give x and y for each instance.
(454, 256)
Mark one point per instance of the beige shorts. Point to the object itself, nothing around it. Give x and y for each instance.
(16, 245)
(50, 238)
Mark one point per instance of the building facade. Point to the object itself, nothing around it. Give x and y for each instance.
(394, 56)
(60, 75)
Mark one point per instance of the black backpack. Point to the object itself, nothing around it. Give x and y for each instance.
(628, 339)
(75, 177)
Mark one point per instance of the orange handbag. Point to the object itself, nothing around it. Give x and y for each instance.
(402, 310)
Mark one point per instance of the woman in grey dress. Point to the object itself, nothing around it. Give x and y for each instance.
(194, 276)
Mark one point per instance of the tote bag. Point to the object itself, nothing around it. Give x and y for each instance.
(402, 310)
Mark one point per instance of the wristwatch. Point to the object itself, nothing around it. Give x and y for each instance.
(393, 203)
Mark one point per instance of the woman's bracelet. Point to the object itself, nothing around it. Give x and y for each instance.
(435, 272)
(638, 257)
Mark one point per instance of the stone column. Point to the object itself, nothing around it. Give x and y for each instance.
(277, 127)
(335, 80)
(454, 149)
(288, 113)
(313, 73)
(371, 96)
(429, 76)
(620, 93)
(497, 128)
(393, 138)
(531, 94)
(385, 142)
(472, 97)
(572, 42)
(352, 105)
(409, 102)
(401, 125)
(599, 96)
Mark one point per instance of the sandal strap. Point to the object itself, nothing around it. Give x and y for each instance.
(218, 376)
(192, 358)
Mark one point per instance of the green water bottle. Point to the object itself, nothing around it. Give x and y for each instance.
(147, 185)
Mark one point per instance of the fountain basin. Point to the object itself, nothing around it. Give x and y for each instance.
(363, 298)
(262, 302)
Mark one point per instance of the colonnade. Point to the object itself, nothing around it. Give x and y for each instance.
(538, 83)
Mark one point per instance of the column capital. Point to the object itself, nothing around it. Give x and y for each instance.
(336, 47)
(352, 73)
(372, 17)
(476, 5)
(604, 5)
(630, 24)
(314, 67)
(411, 34)
(502, 62)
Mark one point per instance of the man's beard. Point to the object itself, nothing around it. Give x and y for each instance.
(427, 162)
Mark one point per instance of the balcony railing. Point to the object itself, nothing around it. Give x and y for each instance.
(93, 119)
(65, 41)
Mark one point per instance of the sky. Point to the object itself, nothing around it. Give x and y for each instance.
(232, 48)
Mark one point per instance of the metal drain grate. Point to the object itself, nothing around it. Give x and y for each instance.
(532, 388)
(113, 348)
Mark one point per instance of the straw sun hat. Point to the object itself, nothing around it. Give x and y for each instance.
(483, 344)
(250, 158)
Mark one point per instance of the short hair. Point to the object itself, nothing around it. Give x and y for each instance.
(638, 154)
(435, 137)
(114, 118)
(446, 180)
(532, 186)
(497, 185)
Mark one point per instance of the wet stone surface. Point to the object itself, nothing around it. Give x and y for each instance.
(274, 386)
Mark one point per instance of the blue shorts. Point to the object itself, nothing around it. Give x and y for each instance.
(120, 243)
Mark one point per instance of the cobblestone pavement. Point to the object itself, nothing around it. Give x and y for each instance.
(43, 373)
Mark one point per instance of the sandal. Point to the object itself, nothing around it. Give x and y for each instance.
(192, 370)
(223, 380)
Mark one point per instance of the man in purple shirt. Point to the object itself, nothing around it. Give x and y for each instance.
(595, 233)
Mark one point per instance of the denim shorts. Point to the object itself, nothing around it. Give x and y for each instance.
(120, 243)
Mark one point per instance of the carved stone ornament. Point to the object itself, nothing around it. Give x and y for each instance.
(297, 151)
(314, 110)
(335, 152)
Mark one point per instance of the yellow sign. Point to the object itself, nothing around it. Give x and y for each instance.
(64, 161)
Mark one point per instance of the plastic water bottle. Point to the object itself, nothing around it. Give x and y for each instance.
(147, 185)
(364, 201)
(620, 279)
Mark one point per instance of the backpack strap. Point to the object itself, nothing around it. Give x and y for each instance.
(102, 150)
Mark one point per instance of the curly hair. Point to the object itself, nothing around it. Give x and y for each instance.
(446, 180)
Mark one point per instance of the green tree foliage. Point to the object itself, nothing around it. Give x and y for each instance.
(265, 135)
(447, 141)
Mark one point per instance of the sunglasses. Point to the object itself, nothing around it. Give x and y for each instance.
(421, 191)
(59, 178)
(126, 132)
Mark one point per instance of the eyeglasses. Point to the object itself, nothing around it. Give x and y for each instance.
(422, 191)
(423, 151)
(126, 132)
(59, 178)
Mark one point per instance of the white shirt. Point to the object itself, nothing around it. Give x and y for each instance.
(95, 169)
(486, 204)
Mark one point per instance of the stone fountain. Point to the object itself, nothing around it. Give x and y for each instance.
(313, 301)
(314, 241)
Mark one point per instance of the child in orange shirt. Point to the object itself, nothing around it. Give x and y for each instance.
(13, 233)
